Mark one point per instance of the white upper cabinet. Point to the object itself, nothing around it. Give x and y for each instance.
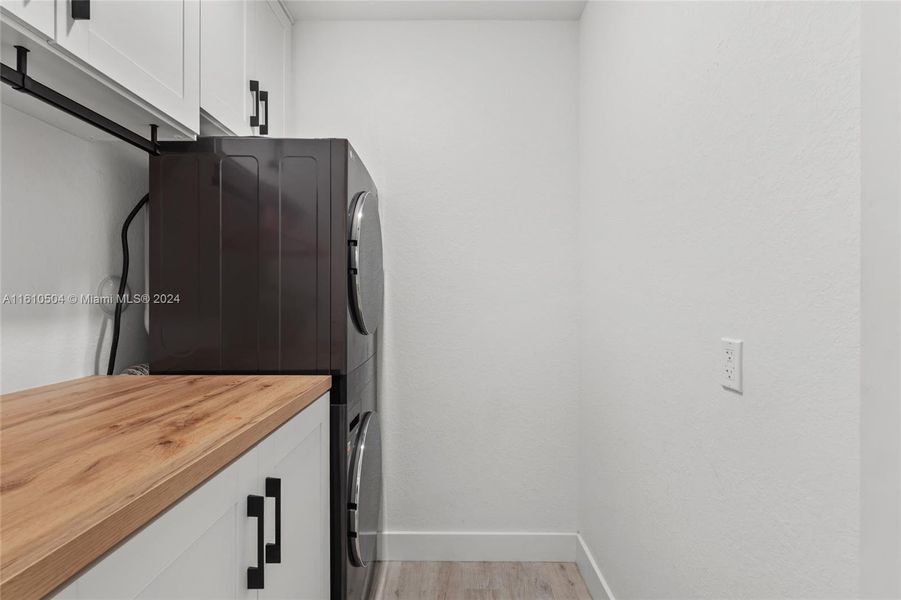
(244, 41)
(150, 48)
(225, 40)
(161, 61)
(270, 68)
(39, 15)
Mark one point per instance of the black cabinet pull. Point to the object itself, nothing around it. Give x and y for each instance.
(81, 10)
(264, 127)
(255, 90)
(274, 490)
(255, 574)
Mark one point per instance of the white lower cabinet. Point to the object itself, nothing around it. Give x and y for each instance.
(201, 547)
(299, 460)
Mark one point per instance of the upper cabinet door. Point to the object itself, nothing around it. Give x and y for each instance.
(38, 14)
(225, 40)
(270, 63)
(149, 47)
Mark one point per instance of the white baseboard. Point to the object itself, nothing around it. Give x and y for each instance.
(591, 573)
(496, 546)
(477, 546)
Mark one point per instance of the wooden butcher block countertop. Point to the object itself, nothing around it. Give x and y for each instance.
(85, 463)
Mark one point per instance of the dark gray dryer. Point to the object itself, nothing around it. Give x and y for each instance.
(275, 249)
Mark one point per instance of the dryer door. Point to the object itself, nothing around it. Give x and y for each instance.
(367, 286)
(364, 501)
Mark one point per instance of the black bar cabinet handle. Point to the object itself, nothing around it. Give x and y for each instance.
(274, 490)
(81, 10)
(264, 127)
(19, 79)
(255, 90)
(255, 574)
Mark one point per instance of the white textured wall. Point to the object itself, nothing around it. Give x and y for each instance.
(880, 415)
(720, 170)
(62, 204)
(469, 129)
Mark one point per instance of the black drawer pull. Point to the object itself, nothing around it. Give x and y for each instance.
(255, 574)
(255, 90)
(264, 127)
(81, 10)
(274, 490)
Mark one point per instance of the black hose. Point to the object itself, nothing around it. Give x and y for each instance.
(117, 318)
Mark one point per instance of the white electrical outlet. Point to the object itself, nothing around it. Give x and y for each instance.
(730, 377)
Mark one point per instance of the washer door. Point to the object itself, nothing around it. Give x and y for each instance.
(365, 498)
(367, 282)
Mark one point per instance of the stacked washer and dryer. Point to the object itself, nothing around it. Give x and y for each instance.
(274, 248)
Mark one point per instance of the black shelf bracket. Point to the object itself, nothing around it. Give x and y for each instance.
(18, 79)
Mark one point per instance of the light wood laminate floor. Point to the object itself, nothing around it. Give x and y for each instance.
(479, 581)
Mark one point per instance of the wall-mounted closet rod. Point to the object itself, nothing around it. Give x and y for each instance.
(19, 80)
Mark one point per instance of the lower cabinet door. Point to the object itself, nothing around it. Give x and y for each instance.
(204, 569)
(202, 546)
(214, 566)
(297, 457)
(198, 549)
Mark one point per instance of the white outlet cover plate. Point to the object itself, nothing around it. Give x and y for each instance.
(730, 374)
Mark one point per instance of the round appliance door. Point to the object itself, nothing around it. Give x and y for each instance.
(364, 502)
(367, 281)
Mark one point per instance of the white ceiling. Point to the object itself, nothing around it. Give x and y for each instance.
(312, 10)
